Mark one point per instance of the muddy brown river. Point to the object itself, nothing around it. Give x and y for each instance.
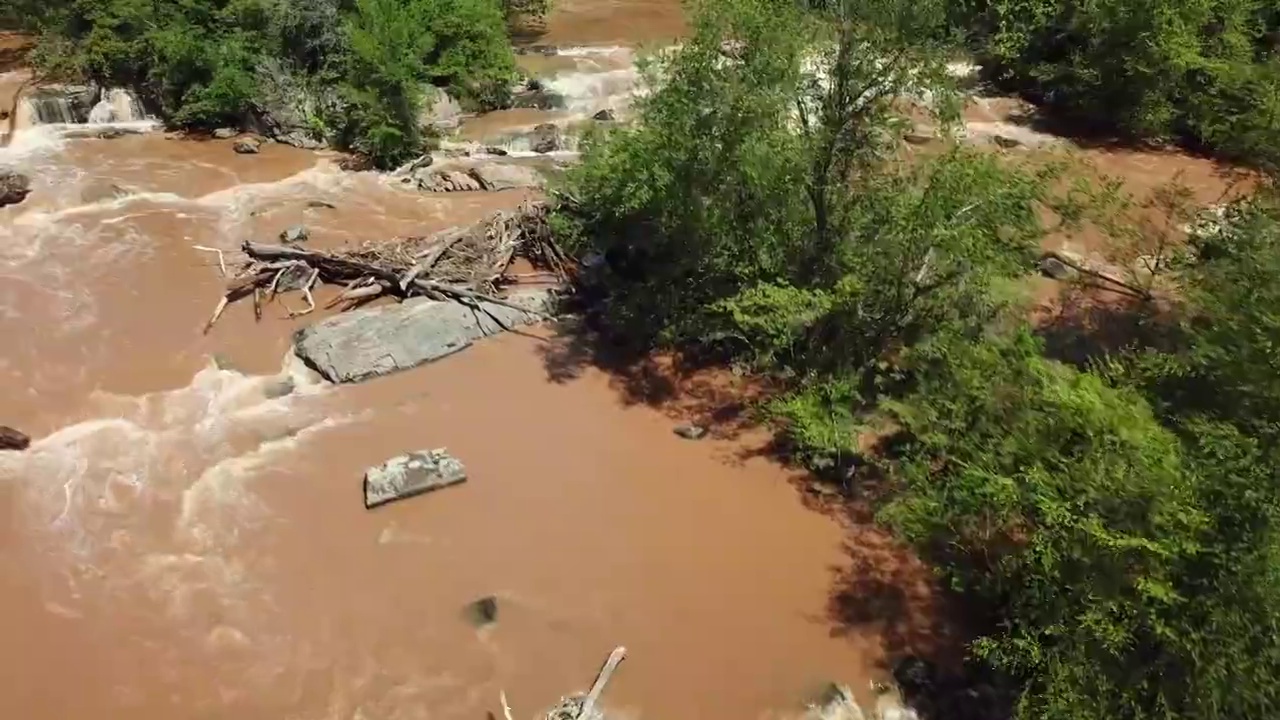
(180, 541)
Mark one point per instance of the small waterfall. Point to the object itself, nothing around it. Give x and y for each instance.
(117, 105)
(45, 109)
(587, 92)
(126, 105)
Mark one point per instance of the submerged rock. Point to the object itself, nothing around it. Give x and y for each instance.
(98, 191)
(483, 611)
(379, 341)
(248, 146)
(14, 187)
(412, 474)
(691, 431)
(294, 235)
(835, 703)
(11, 439)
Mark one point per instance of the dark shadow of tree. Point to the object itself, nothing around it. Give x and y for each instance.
(881, 591)
(685, 389)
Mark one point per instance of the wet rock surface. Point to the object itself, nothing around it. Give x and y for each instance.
(11, 439)
(414, 473)
(546, 138)
(364, 344)
(294, 235)
(14, 187)
(248, 146)
(488, 176)
(691, 431)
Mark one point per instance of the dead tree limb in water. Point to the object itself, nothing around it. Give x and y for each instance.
(464, 265)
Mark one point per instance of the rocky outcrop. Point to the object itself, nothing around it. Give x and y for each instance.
(287, 105)
(14, 187)
(369, 343)
(605, 115)
(405, 476)
(488, 176)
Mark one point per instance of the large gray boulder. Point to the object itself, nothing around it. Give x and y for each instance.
(506, 176)
(412, 474)
(369, 343)
(14, 187)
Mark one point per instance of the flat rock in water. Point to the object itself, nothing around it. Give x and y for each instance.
(505, 176)
(691, 431)
(369, 343)
(248, 146)
(411, 474)
(11, 439)
(225, 133)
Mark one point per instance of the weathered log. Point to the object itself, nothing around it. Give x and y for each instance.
(615, 658)
(11, 439)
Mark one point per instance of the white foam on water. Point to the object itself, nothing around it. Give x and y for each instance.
(159, 487)
(593, 50)
(587, 92)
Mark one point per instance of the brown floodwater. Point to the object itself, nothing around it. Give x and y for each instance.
(181, 541)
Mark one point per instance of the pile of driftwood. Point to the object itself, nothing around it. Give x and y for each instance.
(579, 706)
(463, 265)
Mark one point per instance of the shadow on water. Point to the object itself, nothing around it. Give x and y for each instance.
(685, 390)
(881, 589)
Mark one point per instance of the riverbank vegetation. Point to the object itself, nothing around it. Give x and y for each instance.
(354, 72)
(1116, 518)
(1205, 72)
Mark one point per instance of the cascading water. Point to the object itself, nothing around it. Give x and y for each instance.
(117, 105)
(45, 109)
